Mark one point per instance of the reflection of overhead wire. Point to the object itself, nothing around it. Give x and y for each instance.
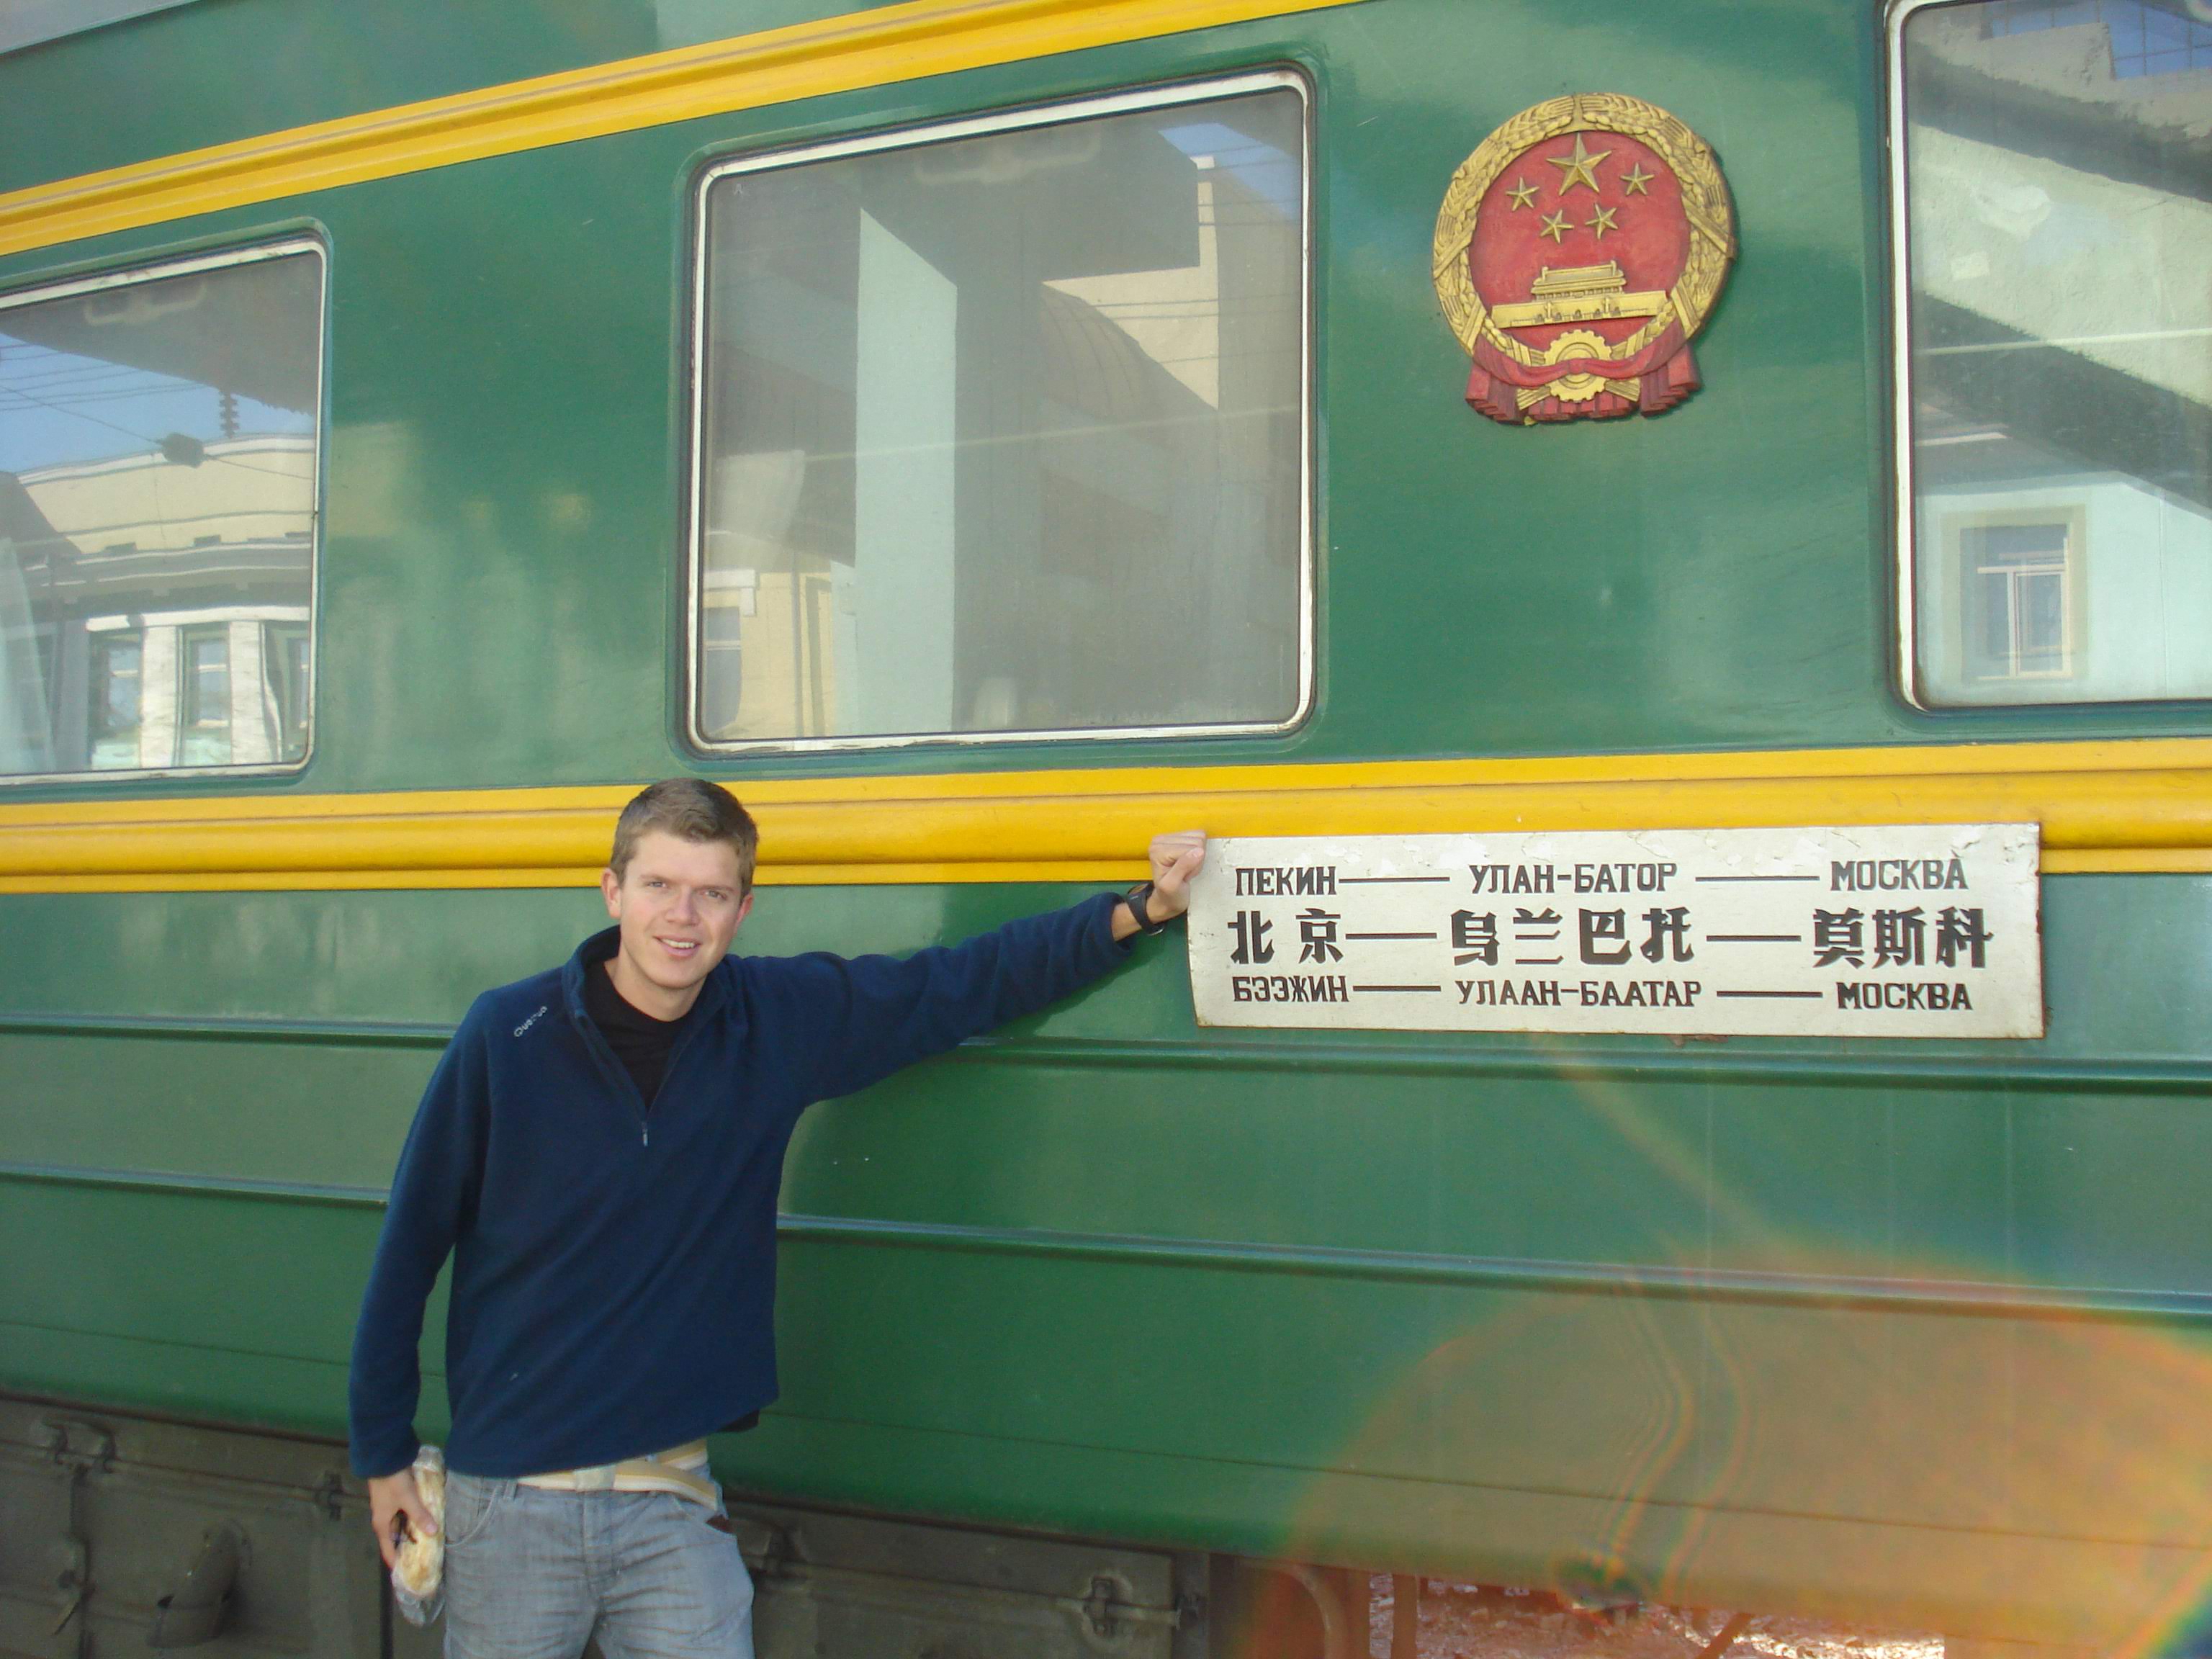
(92, 375)
(59, 367)
(33, 364)
(119, 394)
(89, 380)
(107, 394)
(151, 443)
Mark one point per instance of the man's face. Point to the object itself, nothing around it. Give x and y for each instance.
(678, 905)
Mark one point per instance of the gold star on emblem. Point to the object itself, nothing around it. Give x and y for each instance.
(1578, 166)
(1600, 221)
(1555, 226)
(1522, 193)
(1636, 181)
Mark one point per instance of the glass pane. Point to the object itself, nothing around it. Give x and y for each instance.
(1996, 626)
(2059, 235)
(116, 683)
(207, 681)
(206, 717)
(286, 649)
(2043, 622)
(1003, 433)
(157, 517)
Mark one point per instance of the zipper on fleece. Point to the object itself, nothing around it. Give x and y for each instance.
(595, 1041)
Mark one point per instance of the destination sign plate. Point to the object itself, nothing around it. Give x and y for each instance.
(1911, 930)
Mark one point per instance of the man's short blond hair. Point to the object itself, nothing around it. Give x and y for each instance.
(690, 808)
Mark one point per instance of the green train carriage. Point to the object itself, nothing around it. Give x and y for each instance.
(983, 435)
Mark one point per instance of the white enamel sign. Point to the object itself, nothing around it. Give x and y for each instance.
(1909, 930)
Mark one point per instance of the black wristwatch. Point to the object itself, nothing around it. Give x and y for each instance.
(1135, 898)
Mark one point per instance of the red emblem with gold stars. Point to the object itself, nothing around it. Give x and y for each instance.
(1578, 251)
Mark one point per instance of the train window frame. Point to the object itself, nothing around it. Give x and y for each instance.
(919, 135)
(1909, 517)
(290, 244)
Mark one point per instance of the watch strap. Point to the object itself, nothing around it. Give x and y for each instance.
(1135, 898)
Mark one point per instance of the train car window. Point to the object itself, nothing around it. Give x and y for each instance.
(158, 444)
(2056, 404)
(1001, 428)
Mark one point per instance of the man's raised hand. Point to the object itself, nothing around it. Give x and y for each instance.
(1176, 857)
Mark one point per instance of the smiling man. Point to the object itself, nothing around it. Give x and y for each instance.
(599, 1152)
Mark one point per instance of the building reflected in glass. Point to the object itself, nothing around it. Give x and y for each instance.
(158, 460)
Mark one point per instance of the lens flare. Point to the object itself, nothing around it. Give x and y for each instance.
(1982, 1462)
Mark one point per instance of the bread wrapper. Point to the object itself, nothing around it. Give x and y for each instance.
(420, 1566)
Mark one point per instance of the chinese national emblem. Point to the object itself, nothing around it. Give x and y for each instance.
(1578, 251)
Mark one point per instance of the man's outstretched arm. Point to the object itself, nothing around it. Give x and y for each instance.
(868, 1017)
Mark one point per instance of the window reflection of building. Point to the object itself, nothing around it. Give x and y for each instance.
(177, 598)
(116, 659)
(2058, 229)
(284, 656)
(203, 723)
(2018, 603)
(157, 522)
(971, 407)
(2143, 37)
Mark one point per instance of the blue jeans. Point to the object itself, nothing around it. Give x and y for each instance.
(534, 1575)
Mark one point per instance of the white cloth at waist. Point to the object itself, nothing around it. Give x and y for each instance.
(681, 1470)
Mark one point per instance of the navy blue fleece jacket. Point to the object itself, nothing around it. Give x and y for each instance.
(614, 1267)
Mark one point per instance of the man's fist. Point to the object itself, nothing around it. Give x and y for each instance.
(391, 1498)
(1176, 858)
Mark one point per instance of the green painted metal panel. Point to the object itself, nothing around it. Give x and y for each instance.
(1887, 1160)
